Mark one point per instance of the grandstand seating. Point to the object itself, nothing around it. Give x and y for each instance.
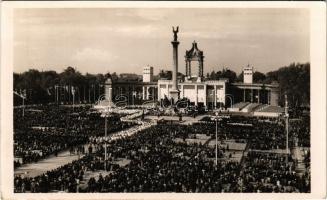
(260, 107)
(275, 109)
(250, 107)
(238, 106)
(269, 111)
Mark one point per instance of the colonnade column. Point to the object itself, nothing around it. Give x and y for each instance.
(205, 95)
(243, 95)
(251, 95)
(143, 94)
(147, 93)
(258, 96)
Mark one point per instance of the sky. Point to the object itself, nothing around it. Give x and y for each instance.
(124, 40)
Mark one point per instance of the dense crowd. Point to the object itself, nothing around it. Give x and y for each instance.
(272, 174)
(159, 159)
(264, 133)
(300, 129)
(47, 130)
(32, 145)
(160, 164)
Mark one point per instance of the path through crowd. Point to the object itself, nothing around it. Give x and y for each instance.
(185, 119)
(50, 163)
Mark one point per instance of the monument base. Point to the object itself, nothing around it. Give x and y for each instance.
(174, 95)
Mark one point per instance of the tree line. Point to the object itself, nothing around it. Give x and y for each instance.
(70, 85)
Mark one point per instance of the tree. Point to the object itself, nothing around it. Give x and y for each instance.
(258, 77)
(225, 73)
(163, 74)
(294, 80)
(240, 77)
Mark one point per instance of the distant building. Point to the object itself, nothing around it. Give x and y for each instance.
(147, 74)
(248, 75)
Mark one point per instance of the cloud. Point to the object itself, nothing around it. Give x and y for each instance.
(93, 55)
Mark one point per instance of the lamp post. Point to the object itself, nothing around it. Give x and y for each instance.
(217, 118)
(105, 113)
(286, 126)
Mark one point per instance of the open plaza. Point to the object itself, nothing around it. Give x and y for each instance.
(185, 135)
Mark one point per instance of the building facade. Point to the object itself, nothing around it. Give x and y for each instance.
(147, 74)
(194, 87)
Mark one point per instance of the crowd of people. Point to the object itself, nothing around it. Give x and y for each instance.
(264, 133)
(47, 130)
(157, 162)
(272, 174)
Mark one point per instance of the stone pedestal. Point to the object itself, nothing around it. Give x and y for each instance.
(174, 94)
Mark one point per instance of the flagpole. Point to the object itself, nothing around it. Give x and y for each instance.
(84, 94)
(79, 95)
(89, 95)
(73, 99)
(93, 93)
(55, 96)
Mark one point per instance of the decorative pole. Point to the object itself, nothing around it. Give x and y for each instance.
(105, 145)
(216, 140)
(217, 118)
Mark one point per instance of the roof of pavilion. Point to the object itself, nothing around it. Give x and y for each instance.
(194, 51)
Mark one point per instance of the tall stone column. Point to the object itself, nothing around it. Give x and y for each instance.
(175, 63)
(174, 93)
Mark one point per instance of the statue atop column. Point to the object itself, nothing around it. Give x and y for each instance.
(174, 92)
(175, 33)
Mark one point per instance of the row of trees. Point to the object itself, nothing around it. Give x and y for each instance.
(50, 86)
